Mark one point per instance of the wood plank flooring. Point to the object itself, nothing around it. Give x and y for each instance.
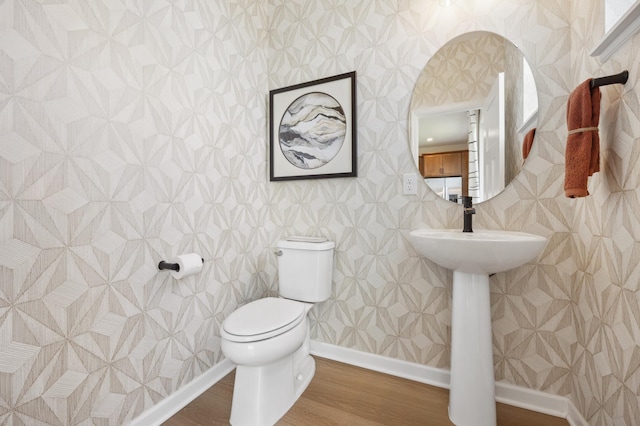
(341, 394)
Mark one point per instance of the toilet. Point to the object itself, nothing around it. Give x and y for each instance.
(268, 339)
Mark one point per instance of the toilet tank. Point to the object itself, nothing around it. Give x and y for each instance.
(305, 270)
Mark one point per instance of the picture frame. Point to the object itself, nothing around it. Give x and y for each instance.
(312, 129)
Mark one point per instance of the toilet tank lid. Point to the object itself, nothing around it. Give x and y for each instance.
(305, 239)
(306, 243)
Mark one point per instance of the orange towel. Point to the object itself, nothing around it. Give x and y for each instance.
(527, 143)
(582, 155)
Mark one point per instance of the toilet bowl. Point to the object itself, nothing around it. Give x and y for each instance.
(264, 331)
(268, 339)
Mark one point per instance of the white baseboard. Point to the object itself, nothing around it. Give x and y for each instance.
(395, 367)
(506, 393)
(173, 403)
(532, 400)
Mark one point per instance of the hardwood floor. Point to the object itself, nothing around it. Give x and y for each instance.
(342, 394)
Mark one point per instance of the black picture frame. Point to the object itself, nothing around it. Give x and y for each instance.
(312, 129)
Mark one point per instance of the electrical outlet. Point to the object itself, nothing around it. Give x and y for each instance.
(409, 186)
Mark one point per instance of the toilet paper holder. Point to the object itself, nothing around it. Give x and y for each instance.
(170, 266)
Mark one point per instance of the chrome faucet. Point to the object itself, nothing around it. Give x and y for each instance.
(468, 211)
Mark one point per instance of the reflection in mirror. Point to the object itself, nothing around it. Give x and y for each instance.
(474, 105)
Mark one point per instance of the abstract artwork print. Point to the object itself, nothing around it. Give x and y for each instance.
(312, 130)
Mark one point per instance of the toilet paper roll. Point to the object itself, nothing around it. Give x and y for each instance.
(189, 264)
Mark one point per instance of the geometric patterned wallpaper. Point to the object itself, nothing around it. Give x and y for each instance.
(606, 239)
(462, 70)
(129, 132)
(133, 131)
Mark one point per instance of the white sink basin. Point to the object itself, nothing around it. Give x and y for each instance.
(478, 252)
(473, 256)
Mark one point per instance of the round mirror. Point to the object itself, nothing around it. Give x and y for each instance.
(473, 116)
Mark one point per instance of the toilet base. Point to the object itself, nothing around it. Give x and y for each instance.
(262, 395)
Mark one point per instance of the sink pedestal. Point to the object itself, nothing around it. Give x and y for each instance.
(472, 389)
(473, 256)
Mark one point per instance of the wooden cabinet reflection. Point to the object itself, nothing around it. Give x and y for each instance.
(446, 164)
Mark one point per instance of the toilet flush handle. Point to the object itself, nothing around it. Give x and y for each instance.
(278, 252)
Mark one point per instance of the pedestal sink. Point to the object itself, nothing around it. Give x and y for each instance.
(473, 256)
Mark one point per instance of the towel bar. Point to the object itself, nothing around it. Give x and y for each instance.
(610, 79)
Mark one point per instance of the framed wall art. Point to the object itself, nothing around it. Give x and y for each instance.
(312, 129)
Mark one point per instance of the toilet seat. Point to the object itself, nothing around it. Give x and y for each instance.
(262, 319)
